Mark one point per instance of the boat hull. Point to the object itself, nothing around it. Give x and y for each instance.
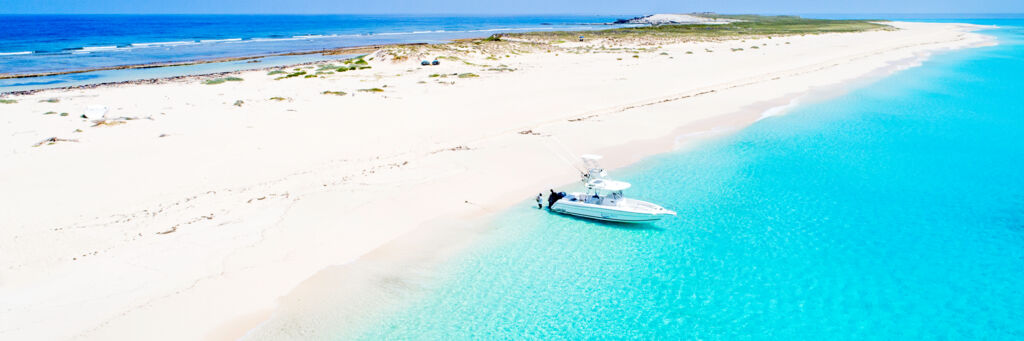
(605, 213)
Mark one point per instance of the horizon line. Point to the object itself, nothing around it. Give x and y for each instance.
(520, 14)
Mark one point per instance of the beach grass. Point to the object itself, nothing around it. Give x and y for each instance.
(750, 25)
(336, 93)
(371, 90)
(276, 72)
(468, 75)
(357, 60)
(222, 80)
(8, 101)
(50, 100)
(293, 74)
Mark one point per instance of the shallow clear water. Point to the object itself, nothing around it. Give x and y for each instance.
(895, 211)
(110, 76)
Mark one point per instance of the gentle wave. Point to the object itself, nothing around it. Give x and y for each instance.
(166, 43)
(99, 48)
(219, 40)
(91, 49)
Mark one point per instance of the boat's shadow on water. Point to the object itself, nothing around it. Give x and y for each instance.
(610, 224)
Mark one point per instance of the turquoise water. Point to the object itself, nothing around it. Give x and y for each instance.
(895, 211)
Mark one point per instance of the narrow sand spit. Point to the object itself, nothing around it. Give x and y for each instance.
(192, 222)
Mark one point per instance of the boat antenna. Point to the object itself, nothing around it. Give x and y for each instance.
(561, 155)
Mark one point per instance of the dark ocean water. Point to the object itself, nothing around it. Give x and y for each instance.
(43, 43)
(56, 43)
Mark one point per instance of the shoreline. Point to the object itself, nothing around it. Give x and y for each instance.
(442, 165)
(327, 52)
(334, 51)
(419, 255)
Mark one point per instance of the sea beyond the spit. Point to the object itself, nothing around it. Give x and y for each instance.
(34, 44)
(895, 211)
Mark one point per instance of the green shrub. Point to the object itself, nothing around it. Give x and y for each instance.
(357, 61)
(372, 90)
(222, 80)
(290, 75)
(279, 99)
(8, 101)
(50, 113)
(336, 93)
(276, 72)
(468, 75)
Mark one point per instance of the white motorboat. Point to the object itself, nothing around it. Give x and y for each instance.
(603, 199)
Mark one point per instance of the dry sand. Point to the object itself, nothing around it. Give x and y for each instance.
(192, 220)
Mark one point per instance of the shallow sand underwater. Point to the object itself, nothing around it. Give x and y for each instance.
(891, 212)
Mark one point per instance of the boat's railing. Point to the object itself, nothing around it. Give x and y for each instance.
(645, 205)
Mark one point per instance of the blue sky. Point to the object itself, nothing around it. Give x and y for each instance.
(511, 6)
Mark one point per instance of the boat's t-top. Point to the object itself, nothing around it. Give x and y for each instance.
(595, 179)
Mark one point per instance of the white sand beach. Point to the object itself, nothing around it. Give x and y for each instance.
(185, 216)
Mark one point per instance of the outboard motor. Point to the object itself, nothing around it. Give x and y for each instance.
(554, 197)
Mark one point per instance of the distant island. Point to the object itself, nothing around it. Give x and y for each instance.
(677, 19)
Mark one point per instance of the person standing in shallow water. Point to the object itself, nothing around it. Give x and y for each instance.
(540, 200)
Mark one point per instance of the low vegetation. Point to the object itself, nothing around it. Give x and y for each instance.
(222, 80)
(749, 26)
(357, 60)
(290, 75)
(336, 93)
(50, 100)
(468, 75)
(353, 67)
(372, 90)
(7, 101)
(276, 72)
